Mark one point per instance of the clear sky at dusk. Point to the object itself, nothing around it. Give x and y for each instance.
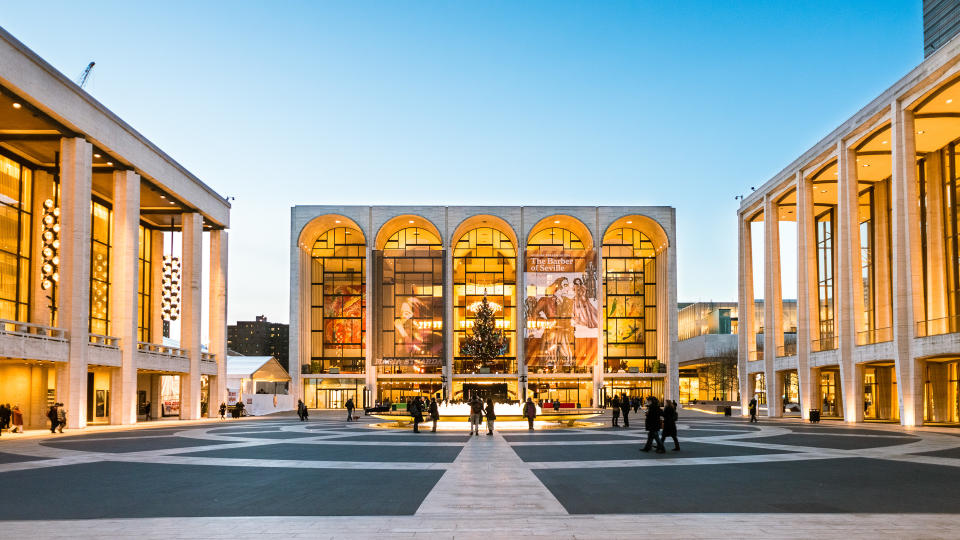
(521, 103)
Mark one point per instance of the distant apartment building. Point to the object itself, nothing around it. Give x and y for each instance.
(260, 338)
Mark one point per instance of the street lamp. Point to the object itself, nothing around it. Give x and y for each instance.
(443, 386)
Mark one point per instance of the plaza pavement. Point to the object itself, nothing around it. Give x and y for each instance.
(277, 477)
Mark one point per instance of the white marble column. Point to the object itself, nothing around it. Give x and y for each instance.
(849, 298)
(745, 311)
(807, 298)
(521, 323)
(73, 293)
(772, 303)
(124, 285)
(217, 318)
(907, 268)
(449, 343)
(369, 369)
(191, 280)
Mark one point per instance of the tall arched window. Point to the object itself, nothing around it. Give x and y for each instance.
(560, 303)
(338, 301)
(485, 264)
(409, 277)
(629, 302)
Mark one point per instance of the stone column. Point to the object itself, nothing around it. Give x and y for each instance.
(217, 319)
(599, 368)
(191, 281)
(124, 284)
(73, 293)
(369, 369)
(907, 268)
(772, 302)
(807, 297)
(881, 258)
(671, 339)
(156, 287)
(745, 312)
(936, 301)
(849, 297)
(448, 299)
(35, 413)
(521, 322)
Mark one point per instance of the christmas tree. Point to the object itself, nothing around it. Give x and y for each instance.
(487, 342)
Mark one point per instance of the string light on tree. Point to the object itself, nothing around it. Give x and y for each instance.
(487, 341)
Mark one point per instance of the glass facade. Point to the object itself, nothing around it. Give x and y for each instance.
(338, 301)
(409, 292)
(941, 404)
(332, 393)
(830, 396)
(101, 229)
(629, 302)
(16, 190)
(144, 283)
(485, 265)
(867, 266)
(825, 284)
(880, 393)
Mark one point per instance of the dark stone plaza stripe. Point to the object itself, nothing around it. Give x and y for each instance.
(630, 452)
(139, 490)
(14, 458)
(322, 452)
(122, 446)
(837, 443)
(855, 485)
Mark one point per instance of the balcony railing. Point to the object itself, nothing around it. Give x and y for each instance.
(787, 349)
(31, 330)
(101, 340)
(493, 367)
(824, 344)
(165, 350)
(936, 327)
(316, 368)
(755, 355)
(623, 366)
(207, 357)
(877, 335)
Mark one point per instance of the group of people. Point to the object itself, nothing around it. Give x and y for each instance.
(479, 410)
(621, 405)
(302, 411)
(11, 418)
(661, 423)
(236, 411)
(416, 407)
(57, 416)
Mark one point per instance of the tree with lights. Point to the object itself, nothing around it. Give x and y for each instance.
(486, 342)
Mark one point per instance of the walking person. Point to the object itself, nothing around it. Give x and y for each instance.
(61, 417)
(146, 410)
(670, 417)
(625, 408)
(615, 405)
(4, 416)
(17, 419)
(417, 413)
(753, 410)
(530, 412)
(491, 416)
(636, 404)
(652, 424)
(223, 411)
(434, 413)
(300, 409)
(52, 416)
(349, 406)
(476, 415)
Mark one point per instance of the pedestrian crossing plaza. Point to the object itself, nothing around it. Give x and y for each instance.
(326, 476)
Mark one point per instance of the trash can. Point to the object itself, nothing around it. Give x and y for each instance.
(814, 416)
(728, 411)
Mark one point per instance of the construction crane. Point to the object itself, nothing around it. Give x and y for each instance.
(82, 80)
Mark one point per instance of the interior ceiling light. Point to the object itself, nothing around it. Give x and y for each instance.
(823, 191)
(556, 222)
(920, 132)
(337, 221)
(411, 222)
(866, 164)
(17, 105)
(629, 223)
(950, 100)
(883, 142)
(163, 196)
(96, 155)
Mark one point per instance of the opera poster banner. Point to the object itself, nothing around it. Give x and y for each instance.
(343, 317)
(563, 314)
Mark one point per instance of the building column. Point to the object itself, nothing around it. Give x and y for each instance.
(772, 302)
(672, 324)
(124, 279)
(807, 298)
(73, 292)
(35, 411)
(191, 280)
(599, 368)
(217, 319)
(369, 369)
(907, 268)
(849, 298)
(745, 313)
(881, 255)
(936, 301)
(521, 328)
(448, 341)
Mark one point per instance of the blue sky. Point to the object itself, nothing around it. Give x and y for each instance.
(647, 103)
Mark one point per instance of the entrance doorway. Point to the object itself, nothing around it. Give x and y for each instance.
(831, 398)
(941, 388)
(880, 392)
(499, 392)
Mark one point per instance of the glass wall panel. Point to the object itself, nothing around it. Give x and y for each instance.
(561, 303)
(409, 281)
(941, 404)
(16, 185)
(100, 233)
(144, 283)
(880, 393)
(338, 301)
(825, 284)
(630, 302)
(485, 265)
(867, 267)
(831, 397)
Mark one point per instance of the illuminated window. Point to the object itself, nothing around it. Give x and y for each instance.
(144, 284)
(629, 302)
(409, 281)
(16, 187)
(338, 301)
(100, 232)
(866, 261)
(485, 264)
(825, 283)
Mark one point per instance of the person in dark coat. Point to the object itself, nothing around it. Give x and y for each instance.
(615, 405)
(52, 416)
(491, 416)
(670, 417)
(476, 415)
(556, 405)
(753, 410)
(625, 409)
(223, 410)
(434, 413)
(349, 406)
(4, 416)
(636, 404)
(652, 425)
(146, 410)
(416, 411)
(530, 412)
(61, 417)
